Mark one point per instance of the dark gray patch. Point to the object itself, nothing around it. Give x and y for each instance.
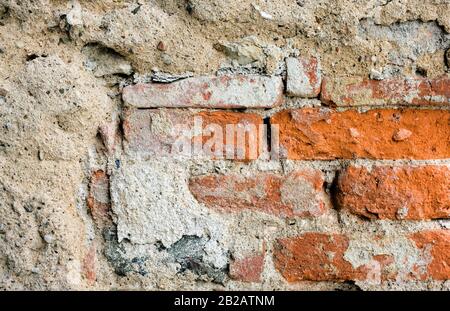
(348, 286)
(190, 254)
(114, 252)
(190, 7)
(447, 58)
(33, 205)
(4, 11)
(136, 10)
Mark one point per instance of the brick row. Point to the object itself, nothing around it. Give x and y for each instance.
(297, 194)
(239, 91)
(303, 79)
(423, 255)
(356, 91)
(172, 133)
(326, 134)
(384, 192)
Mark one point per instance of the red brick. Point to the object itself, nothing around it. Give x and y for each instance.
(248, 269)
(154, 132)
(435, 245)
(98, 200)
(297, 194)
(343, 91)
(110, 137)
(325, 134)
(314, 257)
(323, 257)
(238, 91)
(385, 192)
(386, 272)
(89, 267)
(303, 76)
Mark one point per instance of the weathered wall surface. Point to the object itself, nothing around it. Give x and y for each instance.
(91, 197)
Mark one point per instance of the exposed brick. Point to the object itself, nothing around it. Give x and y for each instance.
(325, 257)
(248, 269)
(435, 245)
(326, 134)
(314, 257)
(344, 91)
(98, 200)
(239, 91)
(405, 192)
(298, 194)
(156, 132)
(240, 120)
(110, 137)
(89, 267)
(303, 76)
(386, 271)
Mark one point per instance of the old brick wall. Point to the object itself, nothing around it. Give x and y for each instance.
(341, 180)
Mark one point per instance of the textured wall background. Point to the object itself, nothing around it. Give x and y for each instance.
(89, 94)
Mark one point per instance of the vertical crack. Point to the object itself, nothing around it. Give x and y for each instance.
(268, 133)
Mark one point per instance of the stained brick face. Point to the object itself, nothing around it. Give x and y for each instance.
(344, 91)
(297, 194)
(240, 91)
(435, 244)
(248, 269)
(163, 132)
(405, 192)
(314, 257)
(303, 76)
(317, 256)
(98, 200)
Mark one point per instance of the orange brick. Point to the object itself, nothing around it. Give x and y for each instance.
(325, 134)
(405, 192)
(297, 194)
(435, 244)
(314, 257)
(154, 132)
(322, 257)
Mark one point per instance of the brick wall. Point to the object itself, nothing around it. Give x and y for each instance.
(357, 190)
(221, 145)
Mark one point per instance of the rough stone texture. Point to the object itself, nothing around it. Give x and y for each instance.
(167, 216)
(208, 92)
(384, 192)
(298, 194)
(83, 208)
(103, 61)
(329, 134)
